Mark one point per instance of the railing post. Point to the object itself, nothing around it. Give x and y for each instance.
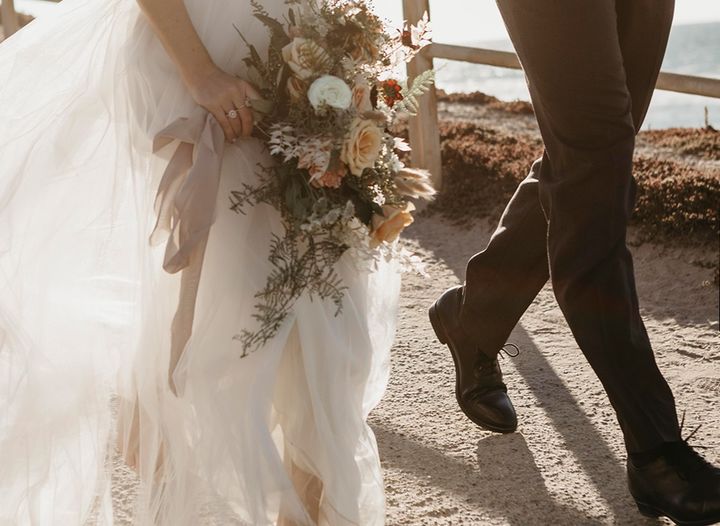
(424, 128)
(9, 17)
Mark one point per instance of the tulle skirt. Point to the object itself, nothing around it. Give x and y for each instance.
(87, 312)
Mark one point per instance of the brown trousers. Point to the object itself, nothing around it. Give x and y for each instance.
(591, 66)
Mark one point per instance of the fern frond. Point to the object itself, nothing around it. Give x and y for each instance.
(411, 94)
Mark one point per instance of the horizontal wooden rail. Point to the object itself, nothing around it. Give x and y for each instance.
(707, 87)
(475, 55)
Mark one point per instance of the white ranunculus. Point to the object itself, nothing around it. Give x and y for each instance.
(331, 91)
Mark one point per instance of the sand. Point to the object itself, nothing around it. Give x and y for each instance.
(565, 465)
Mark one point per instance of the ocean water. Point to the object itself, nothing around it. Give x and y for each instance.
(692, 50)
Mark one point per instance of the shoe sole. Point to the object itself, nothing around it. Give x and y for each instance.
(652, 512)
(441, 334)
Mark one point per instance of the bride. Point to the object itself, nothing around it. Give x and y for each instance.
(119, 352)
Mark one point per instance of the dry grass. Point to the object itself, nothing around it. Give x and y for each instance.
(477, 97)
(699, 142)
(677, 201)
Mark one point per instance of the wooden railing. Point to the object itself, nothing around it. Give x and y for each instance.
(424, 129)
(9, 17)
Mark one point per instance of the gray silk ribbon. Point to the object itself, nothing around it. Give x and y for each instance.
(187, 195)
(185, 205)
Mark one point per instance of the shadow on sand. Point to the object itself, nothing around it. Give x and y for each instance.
(505, 486)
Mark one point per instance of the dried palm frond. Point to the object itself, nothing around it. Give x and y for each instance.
(414, 183)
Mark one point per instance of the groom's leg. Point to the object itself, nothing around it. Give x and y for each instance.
(575, 54)
(503, 280)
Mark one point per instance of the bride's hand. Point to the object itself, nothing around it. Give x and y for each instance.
(211, 87)
(220, 94)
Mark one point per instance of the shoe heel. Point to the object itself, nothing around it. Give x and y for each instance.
(647, 511)
(437, 325)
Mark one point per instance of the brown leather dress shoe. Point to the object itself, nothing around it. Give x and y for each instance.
(479, 387)
(679, 485)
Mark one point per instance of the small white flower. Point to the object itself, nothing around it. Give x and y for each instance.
(330, 91)
(395, 164)
(401, 145)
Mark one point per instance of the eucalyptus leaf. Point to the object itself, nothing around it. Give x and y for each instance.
(256, 78)
(255, 56)
(279, 37)
(262, 106)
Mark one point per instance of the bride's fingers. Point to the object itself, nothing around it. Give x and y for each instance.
(245, 116)
(224, 122)
(248, 122)
(233, 117)
(243, 93)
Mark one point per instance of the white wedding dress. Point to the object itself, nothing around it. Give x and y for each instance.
(87, 337)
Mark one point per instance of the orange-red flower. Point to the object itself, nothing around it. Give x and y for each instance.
(391, 92)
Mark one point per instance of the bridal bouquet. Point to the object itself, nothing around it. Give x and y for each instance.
(329, 101)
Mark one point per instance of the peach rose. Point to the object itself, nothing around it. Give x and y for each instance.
(361, 96)
(388, 228)
(362, 147)
(305, 57)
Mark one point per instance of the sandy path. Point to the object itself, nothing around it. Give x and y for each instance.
(565, 465)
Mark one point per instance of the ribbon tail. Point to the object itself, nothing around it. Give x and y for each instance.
(185, 205)
(170, 184)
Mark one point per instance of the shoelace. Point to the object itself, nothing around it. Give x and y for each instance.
(485, 367)
(692, 434)
(684, 456)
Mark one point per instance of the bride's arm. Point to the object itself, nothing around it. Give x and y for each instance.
(212, 88)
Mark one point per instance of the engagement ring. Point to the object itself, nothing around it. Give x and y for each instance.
(232, 114)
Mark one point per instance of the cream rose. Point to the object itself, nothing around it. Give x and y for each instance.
(388, 228)
(362, 147)
(330, 91)
(305, 57)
